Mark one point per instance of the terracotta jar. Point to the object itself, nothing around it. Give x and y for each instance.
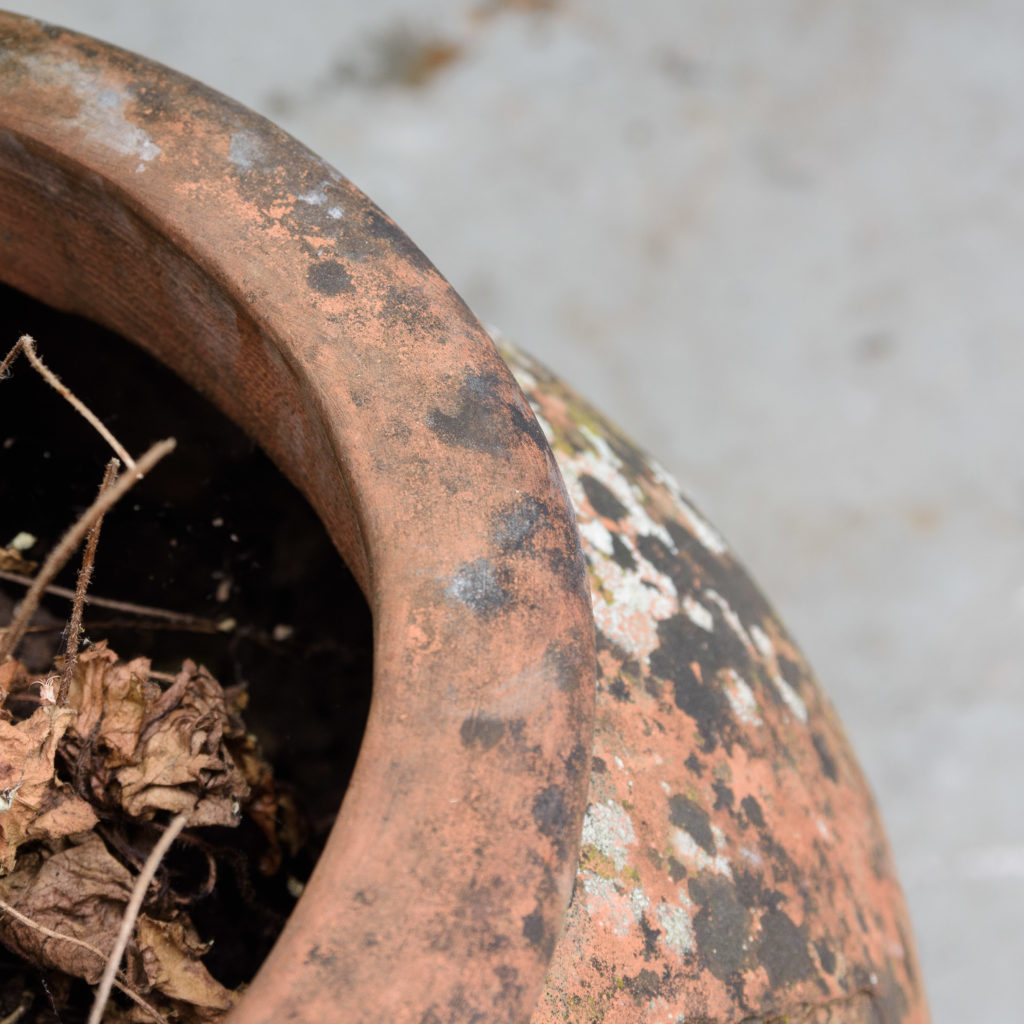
(669, 826)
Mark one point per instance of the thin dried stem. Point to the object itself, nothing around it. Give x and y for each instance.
(131, 912)
(194, 622)
(65, 549)
(27, 345)
(81, 586)
(61, 937)
(19, 1011)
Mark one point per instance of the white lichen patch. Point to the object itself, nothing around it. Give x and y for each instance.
(676, 925)
(604, 465)
(629, 603)
(613, 905)
(698, 614)
(315, 197)
(741, 698)
(101, 107)
(598, 536)
(318, 197)
(607, 905)
(690, 853)
(752, 855)
(792, 699)
(608, 828)
(246, 150)
(731, 618)
(762, 642)
(639, 902)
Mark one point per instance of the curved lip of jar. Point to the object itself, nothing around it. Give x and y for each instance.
(197, 229)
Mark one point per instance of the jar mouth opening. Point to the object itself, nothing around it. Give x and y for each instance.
(215, 533)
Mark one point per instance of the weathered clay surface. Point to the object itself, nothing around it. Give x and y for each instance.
(143, 200)
(733, 866)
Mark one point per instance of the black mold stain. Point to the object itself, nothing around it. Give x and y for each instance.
(724, 796)
(782, 950)
(826, 956)
(478, 586)
(321, 959)
(511, 989)
(621, 555)
(551, 814)
(752, 809)
(602, 500)
(620, 691)
(484, 420)
(576, 762)
(409, 308)
(534, 930)
(526, 422)
(644, 986)
(382, 227)
(794, 673)
(329, 278)
(694, 765)
(720, 926)
(598, 766)
(513, 528)
(650, 934)
(680, 643)
(828, 762)
(684, 813)
(482, 731)
(751, 891)
(676, 871)
(564, 662)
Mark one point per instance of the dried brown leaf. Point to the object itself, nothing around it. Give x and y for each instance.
(182, 756)
(10, 672)
(170, 952)
(12, 560)
(111, 697)
(153, 750)
(34, 803)
(79, 891)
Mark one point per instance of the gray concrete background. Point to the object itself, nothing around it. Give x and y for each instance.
(781, 243)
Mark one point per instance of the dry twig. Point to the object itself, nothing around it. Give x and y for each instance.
(63, 551)
(81, 586)
(27, 345)
(131, 912)
(61, 937)
(193, 623)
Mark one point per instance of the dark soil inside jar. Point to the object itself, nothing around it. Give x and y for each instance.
(214, 531)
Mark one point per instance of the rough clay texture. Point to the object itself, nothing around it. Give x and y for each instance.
(733, 865)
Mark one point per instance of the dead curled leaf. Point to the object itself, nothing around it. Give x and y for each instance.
(38, 804)
(169, 953)
(137, 750)
(155, 750)
(80, 891)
